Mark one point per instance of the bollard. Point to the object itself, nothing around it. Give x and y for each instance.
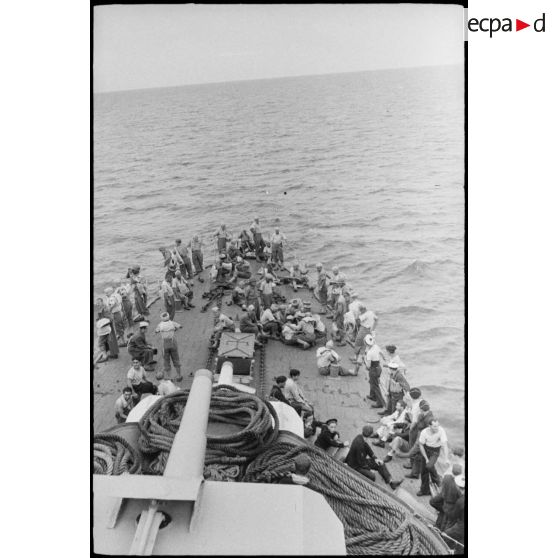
(226, 376)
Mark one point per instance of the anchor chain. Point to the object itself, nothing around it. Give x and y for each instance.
(261, 376)
(218, 299)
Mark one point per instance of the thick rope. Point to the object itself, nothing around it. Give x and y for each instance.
(257, 419)
(374, 522)
(219, 472)
(113, 455)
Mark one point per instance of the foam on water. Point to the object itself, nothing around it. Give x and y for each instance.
(362, 170)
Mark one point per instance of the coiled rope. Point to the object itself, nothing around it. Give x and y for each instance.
(113, 455)
(257, 421)
(373, 520)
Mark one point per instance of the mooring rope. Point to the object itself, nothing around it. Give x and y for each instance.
(113, 455)
(373, 520)
(257, 420)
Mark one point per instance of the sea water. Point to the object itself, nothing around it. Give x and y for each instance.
(363, 170)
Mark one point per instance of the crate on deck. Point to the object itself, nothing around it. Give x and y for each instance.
(238, 348)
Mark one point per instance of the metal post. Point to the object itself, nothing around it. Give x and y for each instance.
(226, 375)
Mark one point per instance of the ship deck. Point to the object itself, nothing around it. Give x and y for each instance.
(343, 398)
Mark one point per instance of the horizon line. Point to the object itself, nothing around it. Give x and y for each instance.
(274, 78)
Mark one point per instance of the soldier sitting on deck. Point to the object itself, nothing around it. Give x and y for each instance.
(139, 349)
(182, 290)
(249, 324)
(223, 323)
(123, 405)
(290, 334)
(328, 358)
(362, 459)
(137, 380)
(328, 440)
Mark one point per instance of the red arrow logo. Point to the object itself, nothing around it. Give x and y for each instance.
(519, 25)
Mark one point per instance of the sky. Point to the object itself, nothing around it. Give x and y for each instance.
(144, 46)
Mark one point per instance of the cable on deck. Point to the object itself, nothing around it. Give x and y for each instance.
(374, 521)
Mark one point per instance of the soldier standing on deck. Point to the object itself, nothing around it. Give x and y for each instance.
(186, 264)
(197, 255)
(258, 241)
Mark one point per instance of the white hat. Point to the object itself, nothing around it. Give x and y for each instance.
(103, 327)
(103, 322)
(215, 309)
(251, 308)
(290, 317)
(335, 268)
(393, 365)
(329, 344)
(144, 324)
(308, 319)
(370, 339)
(460, 481)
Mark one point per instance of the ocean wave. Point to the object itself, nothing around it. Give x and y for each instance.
(420, 268)
(437, 332)
(441, 389)
(411, 310)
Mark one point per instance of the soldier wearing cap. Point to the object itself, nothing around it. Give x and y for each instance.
(397, 386)
(167, 329)
(367, 320)
(372, 364)
(328, 440)
(139, 349)
(186, 263)
(326, 358)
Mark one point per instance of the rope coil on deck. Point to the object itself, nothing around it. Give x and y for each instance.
(258, 421)
(113, 455)
(373, 520)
